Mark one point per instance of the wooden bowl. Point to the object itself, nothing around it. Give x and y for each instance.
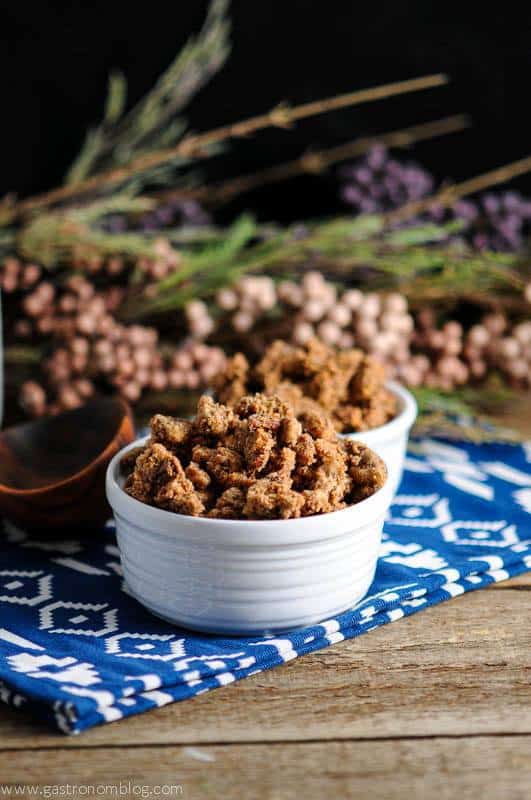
(52, 471)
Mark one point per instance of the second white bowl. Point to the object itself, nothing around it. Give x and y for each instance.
(390, 441)
(246, 576)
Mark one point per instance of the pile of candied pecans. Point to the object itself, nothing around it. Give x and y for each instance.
(257, 460)
(347, 384)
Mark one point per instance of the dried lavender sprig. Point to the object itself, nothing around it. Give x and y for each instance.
(447, 195)
(379, 183)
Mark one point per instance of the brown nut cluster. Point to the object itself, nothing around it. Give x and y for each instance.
(348, 385)
(253, 461)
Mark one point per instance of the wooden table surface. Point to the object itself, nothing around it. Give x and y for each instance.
(436, 705)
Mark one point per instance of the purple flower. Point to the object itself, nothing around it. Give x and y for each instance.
(378, 184)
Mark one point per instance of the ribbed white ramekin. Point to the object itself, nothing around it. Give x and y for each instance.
(245, 576)
(390, 441)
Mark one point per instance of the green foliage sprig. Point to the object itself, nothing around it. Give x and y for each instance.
(153, 123)
(421, 261)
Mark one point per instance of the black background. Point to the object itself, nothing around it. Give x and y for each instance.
(56, 56)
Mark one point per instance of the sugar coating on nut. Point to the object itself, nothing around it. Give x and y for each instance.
(254, 461)
(347, 385)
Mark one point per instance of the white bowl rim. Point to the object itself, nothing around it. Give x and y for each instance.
(368, 508)
(399, 424)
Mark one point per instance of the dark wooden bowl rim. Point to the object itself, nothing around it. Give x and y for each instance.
(95, 406)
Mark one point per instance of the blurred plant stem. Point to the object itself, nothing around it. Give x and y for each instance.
(152, 123)
(317, 161)
(196, 146)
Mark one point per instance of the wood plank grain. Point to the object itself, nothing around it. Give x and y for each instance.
(516, 414)
(463, 667)
(520, 582)
(486, 767)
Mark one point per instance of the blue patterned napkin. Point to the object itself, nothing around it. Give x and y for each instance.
(76, 649)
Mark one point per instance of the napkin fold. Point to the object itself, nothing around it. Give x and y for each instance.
(78, 650)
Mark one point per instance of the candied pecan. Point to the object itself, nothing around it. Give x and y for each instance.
(170, 431)
(257, 445)
(154, 467)
(229, 505)
(314, 355)
(290, 431)
(269, 498)
(305, 450)
(199, 477)
(326, 481)
(263, 405)
(223, 464)
(329, 386)
(317, 501)
(379, 409)
(270, 370)
(282, 464)
(350, 418)
(289, 393)
(314, 420)
(231, 384)
(367, 380)
(180, 496)
(212, 419)
(367, 470)
(350, 360)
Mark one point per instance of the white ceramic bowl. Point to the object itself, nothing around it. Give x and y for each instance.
(390, 441)
(245, 576)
